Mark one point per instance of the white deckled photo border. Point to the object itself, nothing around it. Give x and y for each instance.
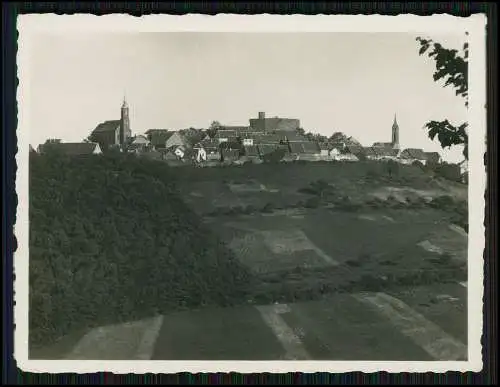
(31, 24)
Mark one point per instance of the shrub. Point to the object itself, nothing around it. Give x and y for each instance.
(111, 240)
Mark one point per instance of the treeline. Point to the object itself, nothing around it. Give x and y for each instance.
(111, 240)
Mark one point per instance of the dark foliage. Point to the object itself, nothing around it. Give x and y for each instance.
(213, 129)
(111, 240)
(452, 68)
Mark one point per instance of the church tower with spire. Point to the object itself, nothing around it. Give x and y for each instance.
(395, 134)
(125, 132)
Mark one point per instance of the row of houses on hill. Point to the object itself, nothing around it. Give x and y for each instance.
(262, 137)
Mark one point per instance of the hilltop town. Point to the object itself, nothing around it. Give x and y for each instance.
(264, 139)
(322, 217)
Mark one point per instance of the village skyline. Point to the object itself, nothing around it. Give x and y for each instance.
(182, 80)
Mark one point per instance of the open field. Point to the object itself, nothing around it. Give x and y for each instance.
(422, 323)
(207, 190)
(375, 276)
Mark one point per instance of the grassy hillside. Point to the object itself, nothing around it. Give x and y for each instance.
(254, 188)
(111, 240)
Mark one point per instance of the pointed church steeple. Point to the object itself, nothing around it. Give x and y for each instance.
(395, 133)
(125, 132)
(124, 104)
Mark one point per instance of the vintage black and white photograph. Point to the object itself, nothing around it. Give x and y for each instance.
(246, 188)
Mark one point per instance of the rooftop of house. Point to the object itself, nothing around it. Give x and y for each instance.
(157, 136)
(414, 153)
(289, 135)
(107, 126)
(382, 145)
(296, 147)
(267, 148)
(139, 139)
(266, 138)
(385, 151)
(310, 147)
(70, 148)
(229, 134)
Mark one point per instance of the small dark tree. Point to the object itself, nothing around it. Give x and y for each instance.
(452, 67)
(392, 168)
(301, 131)
(214, 127)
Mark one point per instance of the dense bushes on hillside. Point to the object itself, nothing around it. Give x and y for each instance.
(111, 240)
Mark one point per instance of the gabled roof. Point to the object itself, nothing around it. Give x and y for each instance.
(310, 147)
(413, 153)
(107, 126)
(180, 138)
(71, 149)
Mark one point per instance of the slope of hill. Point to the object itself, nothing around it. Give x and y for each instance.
(112, 241)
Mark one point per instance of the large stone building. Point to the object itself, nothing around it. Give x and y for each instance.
(113, 132)
(263, 124)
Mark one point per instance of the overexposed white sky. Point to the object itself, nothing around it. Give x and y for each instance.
(336, 81)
